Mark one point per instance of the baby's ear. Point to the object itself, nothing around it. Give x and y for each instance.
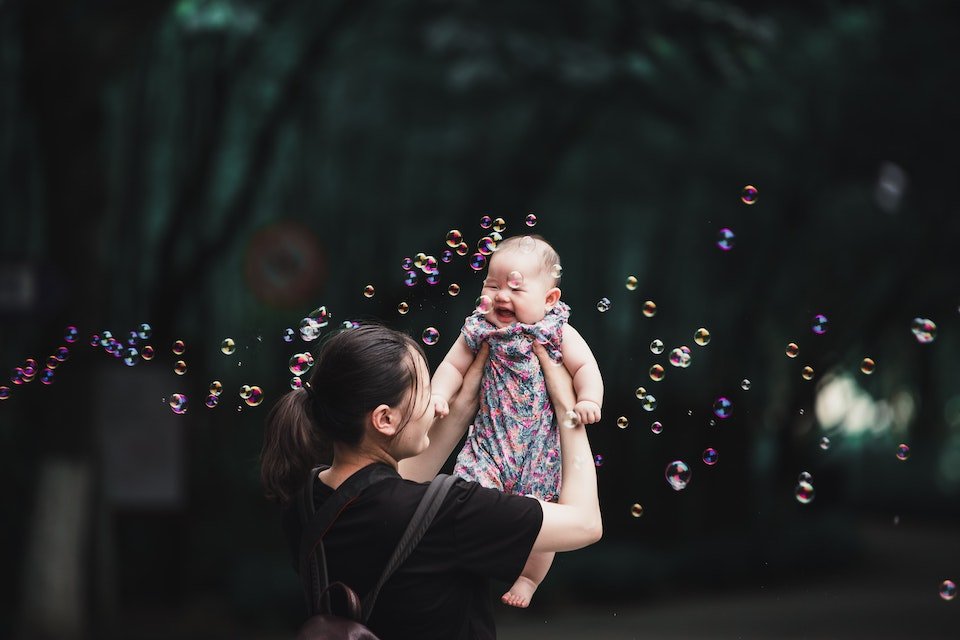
(553, 295)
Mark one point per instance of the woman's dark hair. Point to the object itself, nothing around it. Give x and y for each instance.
(355, 371)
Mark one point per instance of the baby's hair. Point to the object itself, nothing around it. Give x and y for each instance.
(548, 255)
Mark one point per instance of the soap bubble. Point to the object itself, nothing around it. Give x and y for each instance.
(656, 347)
(486, 245)
(649, 402)
(430, 336)
(656, 427)
(485, 222)
(515, 280)
(403, 308)
(296, 383)
(410, 278)
(725, 238)
(679, 358)
(300, 363)
(807, 373)
(484, 305)
(180, 367)
(216, 387)
(433, 278)
(499, 225)
(61, 354)
(454, 237)
(368, 291)
(824, 443)
(70, 334)
(656, 373)
(598, 460)
(867, 366)
(805, 476)
(178, 347)
(903, 452)
(710, 456)
(245, 391)
(255, 397)
(723, 407)
(288, 334)
(792, 350)
(702, 337)
(4, 393)
(649, 308)
(641, 393)
(406, 264)
(95, 340)
(603, 305)
(46, 376)
(948, 590)
(478, 261)
(803, 492)
(211, 400)
(622, 422)
(453, 289)
(419, 260)
(145, 331)
(677, 474)
(107, 336)
(570, 420)
(531, 220)
(924, 330)
(430, 265)
(178, 402)
(636, 510)
(228, 346)
(446, 256)
(147, 352)
(133, 338)
(819, 326)
(462, 249)
(749, 194)
(309, 330)
(131, 357)
(631, 283)
(745, 384)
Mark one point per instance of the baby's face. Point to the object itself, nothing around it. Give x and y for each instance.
(525, 299)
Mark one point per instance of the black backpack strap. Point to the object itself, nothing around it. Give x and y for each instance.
(422, 518)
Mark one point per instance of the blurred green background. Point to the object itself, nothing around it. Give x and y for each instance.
(218, 168)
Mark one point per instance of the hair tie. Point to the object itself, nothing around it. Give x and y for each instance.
(309, 389)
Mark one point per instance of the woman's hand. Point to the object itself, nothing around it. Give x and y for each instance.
(558, 379)
(467, 400)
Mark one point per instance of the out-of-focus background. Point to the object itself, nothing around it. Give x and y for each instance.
(219, 168)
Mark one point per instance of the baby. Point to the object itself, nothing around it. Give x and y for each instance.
(514, 445)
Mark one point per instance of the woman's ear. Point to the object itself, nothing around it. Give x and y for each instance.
(385, 420)
(553, 295)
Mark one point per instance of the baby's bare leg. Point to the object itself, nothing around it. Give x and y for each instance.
(533, 574)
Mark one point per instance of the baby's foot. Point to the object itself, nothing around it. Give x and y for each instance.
(520, 593)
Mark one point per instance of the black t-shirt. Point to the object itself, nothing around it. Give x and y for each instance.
(442, 590)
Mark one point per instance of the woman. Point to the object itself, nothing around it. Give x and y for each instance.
(369, 395)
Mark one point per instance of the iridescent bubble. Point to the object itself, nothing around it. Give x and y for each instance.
(300, 363)
(255, 397)
(631, 283)
(245, 391)
(453, 289)
(948, 590)
(446, 256)
(410, 278)
(289, 334)
(710, 456)
(228, 346)
(656, 373)
(484, 305)
(105, 338)
(309, 329)
(656, 427)
(320, 316)
(622, 422)
(702, 337)
(211, 400)
(147, 352)
(569, 420)
(131, 357)
(478, 261)
(454, 237)
(180, 367)
(824, 443)
(216, 387)
(70, 334)
(725, 239)
(649, 402)
(62, 353)
(749, 194)
(636, 510)
(656, 347)
(792, 350)
(641, 393)
(179, 347)
(924, 330)
(819, 326)
(16, 376)
(95, 340)
(486, 245)
(514, 279)
(368, 291)
(677, 474)
(598, 460)
(745, 384)
(499, 225)
(805, 476)
(903, 452)
(531, 220)
(419, 260)
(649, 308)
(133, 338)
(178, 402)
(430, 265)
(867, 366)
(603, 305)
(677, 356)
(807, 373)
(462, 249)
(486, 222)
(4, 393)
(556, 271)
(803, 492)
(144, 331)
(296, 382)
(433, 279)
(52, 362)
(403, 308)
(723, 407)
(406, 264)
(46, 376)
(430, 336)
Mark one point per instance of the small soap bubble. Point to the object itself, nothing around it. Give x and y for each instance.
(527, 244)
(453, 289)
(95, 340)
(131, 357)
(296, 382)
(211, 400)
(430, 336)
(792, 350)
(649, 308)
(430, 265)
(478, 261)
(145, 331)
(410, 278)
(446, 256)
(556, 271)
(107, 336)
(631, 283)
(46, 376)
(180, 367)
(133, 338)
(867, 365)
(623, 422)
(656, 373)
(419, 260)
(656, 427)
(678, 356)
(406, 264)
(824, 443)
(245, 391)
(61, 354)
(309, 329)
(723, 407)
(484, 304)
(299, 364)
(433, 278)
(288, 334)
(725, 239)
(531, 220)
(710, 456)
(4, 393)
(514, 279)
(749, 194)
(641, 393)
(745, 384)
(228, 347)
(677, 474)
(712, 422)
(486, 222)
(819, 325)
(649, 402)
(948, 590)
(702, 337)
(52, 362)
(570, 420)
(803, 492)
(255, 397)
(462, 249)
(807, 373)
(216, 387)
(70, 334)
(603, 305)
(598, 460)
(805, 476)
(368, 291)
(179, 347)
(499, 225)
(147, 352)
(486, 245)
(924, 330)
(656, 347)
(178, 402)
(403, 308)
(903, 452)
(454, 237)
(636, 510)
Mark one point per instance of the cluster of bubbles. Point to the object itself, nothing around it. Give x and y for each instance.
(680, 357)
(924, 330)
(213, 398)
(313, 322)
(252, 395)
(677, 474)
(804, 491)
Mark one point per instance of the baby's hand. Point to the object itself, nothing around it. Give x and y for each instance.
(440, 406)
(587, 411)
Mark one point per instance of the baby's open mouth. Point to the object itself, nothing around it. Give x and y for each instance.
(505, 315)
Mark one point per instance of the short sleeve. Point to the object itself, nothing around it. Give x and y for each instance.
(475, 330)
(493, 532)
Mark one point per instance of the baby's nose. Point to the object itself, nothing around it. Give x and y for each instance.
(503, 295)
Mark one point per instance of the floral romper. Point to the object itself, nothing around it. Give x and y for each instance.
(514, 445)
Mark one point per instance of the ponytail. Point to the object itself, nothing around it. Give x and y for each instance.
(291, 446)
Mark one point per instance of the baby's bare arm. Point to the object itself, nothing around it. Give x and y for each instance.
(587, 381)
(449, 375)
